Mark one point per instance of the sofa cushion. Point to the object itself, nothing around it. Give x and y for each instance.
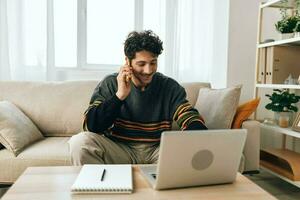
(218, 106)
(55, 107)
(192, 90)
(244, 111)
(16, 130)
(51, 151)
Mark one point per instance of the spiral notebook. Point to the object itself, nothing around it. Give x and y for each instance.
(94, 178)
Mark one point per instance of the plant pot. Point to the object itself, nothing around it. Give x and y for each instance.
(287, 35)
(283, 119)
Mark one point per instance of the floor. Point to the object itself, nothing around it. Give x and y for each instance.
(3, 189)
(275, 186)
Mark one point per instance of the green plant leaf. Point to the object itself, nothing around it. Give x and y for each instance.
(282, 101)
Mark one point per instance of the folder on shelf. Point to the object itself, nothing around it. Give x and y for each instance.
(281, 62)
(262, 66)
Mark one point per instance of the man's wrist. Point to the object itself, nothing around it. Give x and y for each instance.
(121, 97)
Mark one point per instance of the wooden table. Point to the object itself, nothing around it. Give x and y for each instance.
(55, 182)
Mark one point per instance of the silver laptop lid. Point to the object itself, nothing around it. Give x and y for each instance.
(190, 158)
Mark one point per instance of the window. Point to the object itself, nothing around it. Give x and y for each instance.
(32, 30)
(84, 33)
(90, 33)
(60, 39)
(107, 26)
(65, 32)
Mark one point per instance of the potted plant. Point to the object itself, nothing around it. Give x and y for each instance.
(283, 104)
(297, 29)
(286, 26)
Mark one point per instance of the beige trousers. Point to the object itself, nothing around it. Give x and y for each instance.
(92, 148)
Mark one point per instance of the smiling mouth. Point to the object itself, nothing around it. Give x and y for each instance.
(146, 77)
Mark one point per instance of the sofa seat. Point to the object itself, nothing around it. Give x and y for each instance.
(51, 151)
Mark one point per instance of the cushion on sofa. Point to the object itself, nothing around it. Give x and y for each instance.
(51, 151)
(244, 111)
(55, 107)
(16, 130)
(192, 90)
(218, 106)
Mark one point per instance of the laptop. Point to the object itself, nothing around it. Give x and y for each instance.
(194, 158)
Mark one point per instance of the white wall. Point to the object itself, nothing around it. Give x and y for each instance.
(243, 19)
(235, 38)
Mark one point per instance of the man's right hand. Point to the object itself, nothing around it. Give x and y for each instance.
(124, 81)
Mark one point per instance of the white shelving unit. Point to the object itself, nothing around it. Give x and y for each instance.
(278, 86)
(278, 4)
(277, 129)
(287, 42)
(296, 183)
(283, 163)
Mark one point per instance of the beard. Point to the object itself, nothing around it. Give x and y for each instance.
(143, 79)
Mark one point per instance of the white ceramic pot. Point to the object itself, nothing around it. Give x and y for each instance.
(285, 36)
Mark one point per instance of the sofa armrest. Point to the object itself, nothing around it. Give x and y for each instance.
(252, 145)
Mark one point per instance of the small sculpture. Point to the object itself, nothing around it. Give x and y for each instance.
(290, 80)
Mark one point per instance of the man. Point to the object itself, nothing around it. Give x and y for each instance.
(129, 110)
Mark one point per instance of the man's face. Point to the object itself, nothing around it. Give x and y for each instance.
(144, 66)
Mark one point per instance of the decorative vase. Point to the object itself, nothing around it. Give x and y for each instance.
(283, 119)
(287, 35)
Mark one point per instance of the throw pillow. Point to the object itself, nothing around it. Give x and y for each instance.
(243, 112)
(218, 106)
(16, 130)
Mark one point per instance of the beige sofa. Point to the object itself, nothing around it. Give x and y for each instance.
(57, 109)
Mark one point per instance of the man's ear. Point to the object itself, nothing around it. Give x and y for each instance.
(127, 60)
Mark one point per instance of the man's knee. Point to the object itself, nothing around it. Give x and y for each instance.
(78, 140)
(80, 145)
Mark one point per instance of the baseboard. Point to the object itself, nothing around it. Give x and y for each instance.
(252, 172)
(4, 185)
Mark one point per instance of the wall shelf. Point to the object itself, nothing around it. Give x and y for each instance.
(284, 162)
(278, 86)
(296, 183)
(277, 129)
(295, 41)
(278, 4)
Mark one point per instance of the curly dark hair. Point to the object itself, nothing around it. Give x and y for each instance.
(139, 41)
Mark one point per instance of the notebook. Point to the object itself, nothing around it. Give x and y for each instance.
(94, 178)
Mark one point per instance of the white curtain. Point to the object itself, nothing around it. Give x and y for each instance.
(4, 61)
(189, 37)
(185, 26)
(23, 39)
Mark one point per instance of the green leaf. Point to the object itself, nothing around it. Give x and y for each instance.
(282, 100)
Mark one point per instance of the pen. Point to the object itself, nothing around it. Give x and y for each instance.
(103, 174)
